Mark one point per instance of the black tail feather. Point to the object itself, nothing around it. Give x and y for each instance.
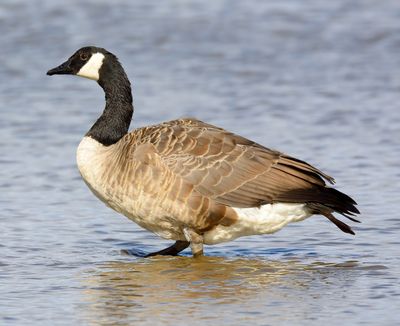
(343, 226)
(331, 200)
(339, 202)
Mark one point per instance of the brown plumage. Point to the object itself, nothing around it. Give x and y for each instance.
(216, 169)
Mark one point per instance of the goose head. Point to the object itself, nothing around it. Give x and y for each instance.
(89, 62)
(102, 66)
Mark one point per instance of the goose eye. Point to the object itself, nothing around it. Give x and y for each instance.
(83, 56)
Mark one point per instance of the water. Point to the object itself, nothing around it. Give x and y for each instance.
(318, 80)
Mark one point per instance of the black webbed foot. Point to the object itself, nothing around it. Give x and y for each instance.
(173, 250)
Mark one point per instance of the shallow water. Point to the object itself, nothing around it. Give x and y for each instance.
(318, 80)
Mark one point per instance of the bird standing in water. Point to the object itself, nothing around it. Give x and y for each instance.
(190, 181)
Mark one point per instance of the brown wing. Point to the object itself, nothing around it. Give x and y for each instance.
(231, 169)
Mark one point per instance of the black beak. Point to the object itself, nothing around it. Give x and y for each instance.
(63, 69)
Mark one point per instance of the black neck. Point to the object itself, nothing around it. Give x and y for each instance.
(114, 123)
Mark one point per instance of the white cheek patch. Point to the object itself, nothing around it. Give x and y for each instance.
(91, 68)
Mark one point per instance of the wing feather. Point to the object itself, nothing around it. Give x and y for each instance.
(229, 168)
(234, 171)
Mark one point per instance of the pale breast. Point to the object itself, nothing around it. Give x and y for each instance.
(123, 186)
(90, 156)
(93, 161)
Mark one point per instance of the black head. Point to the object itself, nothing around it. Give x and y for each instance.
(86, 62)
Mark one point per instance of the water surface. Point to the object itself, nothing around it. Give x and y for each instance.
(318, 80)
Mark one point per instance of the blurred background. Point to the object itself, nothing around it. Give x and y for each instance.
(318, 80)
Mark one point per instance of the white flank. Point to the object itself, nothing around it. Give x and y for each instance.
(266, 219)
(91, 68)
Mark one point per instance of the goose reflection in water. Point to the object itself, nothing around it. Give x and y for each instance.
(172, 290)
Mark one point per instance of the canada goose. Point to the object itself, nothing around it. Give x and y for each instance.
(190, 181)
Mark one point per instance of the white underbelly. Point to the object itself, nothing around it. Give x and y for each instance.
(258, 220)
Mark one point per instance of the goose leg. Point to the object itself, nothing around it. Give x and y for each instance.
(196, 242)
(173, 250)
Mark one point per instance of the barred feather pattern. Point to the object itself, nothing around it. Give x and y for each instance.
(189, 173)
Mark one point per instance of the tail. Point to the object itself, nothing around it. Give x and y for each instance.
(331, 200)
